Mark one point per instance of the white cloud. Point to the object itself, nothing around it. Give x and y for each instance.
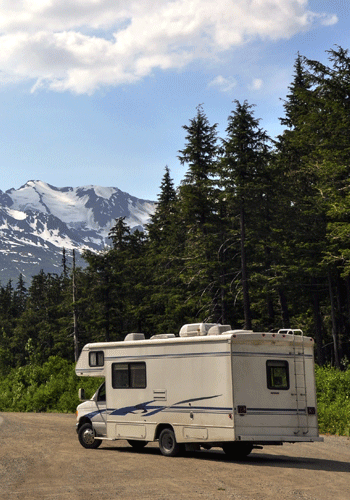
(223, 84)
(81, 45)
(256, 84)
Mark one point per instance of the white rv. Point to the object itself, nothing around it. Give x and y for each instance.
(209, 387)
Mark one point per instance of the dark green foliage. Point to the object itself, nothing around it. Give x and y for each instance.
(199, 220)
(243, 173)
(52, 386)
(333, 400)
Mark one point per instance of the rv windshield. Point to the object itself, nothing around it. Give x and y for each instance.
(101, 393)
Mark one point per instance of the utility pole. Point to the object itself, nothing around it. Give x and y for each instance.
(75, 319)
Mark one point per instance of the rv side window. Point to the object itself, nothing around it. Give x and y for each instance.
(129, 375)
(96, 358)
(277, 375)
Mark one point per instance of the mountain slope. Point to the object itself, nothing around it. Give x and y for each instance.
(38, 220)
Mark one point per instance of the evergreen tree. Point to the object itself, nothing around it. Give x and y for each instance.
(315, 152)
(120, 234)
(200, 154)
(164, 304)
(199, 217)
(20, 296)
(161, 223)
(330, 122)
(243, 166)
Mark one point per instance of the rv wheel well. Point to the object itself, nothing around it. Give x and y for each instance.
(160, 428)
(84, 420)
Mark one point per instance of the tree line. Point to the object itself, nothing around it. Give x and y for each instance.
(256, 236)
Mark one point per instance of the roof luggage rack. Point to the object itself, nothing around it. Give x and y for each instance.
(291, 331)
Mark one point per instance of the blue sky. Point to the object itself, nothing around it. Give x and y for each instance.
(97, 91)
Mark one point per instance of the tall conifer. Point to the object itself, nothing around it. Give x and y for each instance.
(244, 162)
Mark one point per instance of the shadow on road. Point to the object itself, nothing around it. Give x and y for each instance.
(254, 459)
(284, 461)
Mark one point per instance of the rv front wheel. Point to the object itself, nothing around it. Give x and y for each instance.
(167, 443)
(237, 451)
(87, 438)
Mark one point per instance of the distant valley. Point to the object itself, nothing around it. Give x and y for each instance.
(38, 220)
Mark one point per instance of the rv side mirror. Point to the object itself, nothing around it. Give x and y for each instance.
(81, 394)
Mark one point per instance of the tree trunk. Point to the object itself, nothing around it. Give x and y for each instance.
(318, 328)
(270, 311)
(284, 308)
(246, 301)
(334, 323)
(75, 320)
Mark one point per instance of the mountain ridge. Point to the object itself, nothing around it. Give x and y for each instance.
(38, 220)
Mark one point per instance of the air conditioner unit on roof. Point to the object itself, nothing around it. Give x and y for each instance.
(196, 329)
(219, 329)
(134, 336)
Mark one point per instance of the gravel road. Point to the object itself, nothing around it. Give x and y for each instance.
(41, 458)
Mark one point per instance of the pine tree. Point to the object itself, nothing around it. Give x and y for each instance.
(119, 234)
(200, 154)
(245, 159)
(199, 217)
(330, 122)
(301, 215)
(164, 304)
(161, 223)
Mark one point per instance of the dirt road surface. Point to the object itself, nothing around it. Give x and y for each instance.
(41, 458)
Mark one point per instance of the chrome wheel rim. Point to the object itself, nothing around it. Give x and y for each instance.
(88, 436)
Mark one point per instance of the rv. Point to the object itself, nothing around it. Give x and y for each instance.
(211, 386)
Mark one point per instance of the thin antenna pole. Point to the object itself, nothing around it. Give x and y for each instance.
(75, 319)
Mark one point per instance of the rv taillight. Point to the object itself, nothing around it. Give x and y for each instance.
(241, 409)
(311, 410)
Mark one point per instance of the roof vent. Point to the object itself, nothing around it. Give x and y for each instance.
(134, 336)
(219, 329)
(242, 331)
(163, 336)
(196, 329)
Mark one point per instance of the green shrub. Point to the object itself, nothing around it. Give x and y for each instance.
(333, 400)
(51, 387)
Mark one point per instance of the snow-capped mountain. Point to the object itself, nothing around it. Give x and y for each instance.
(38, 220)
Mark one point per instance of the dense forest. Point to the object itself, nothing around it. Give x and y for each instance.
(255, 236)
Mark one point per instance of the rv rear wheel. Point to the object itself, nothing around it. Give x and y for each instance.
(137, 445)
(87, 438)
(167, 443)
(237, 451)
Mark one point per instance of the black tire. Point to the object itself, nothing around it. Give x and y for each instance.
(137, 445)
(168, 445)
(206, 446)
(86, 436)
(237, 451)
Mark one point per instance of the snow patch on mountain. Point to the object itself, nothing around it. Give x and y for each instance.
(17, 214)
(83, 206)
(38, 220)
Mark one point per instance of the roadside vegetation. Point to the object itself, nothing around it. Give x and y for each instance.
(256, 236)
(53, 387)
(50, 387)
(333, 400)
